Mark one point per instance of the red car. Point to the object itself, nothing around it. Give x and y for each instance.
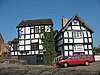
(75, 60)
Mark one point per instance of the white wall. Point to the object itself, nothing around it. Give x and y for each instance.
(85, 34)
(27, 30)
(97, 57)
(76, 27)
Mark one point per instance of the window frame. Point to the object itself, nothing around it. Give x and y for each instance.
(77, 35)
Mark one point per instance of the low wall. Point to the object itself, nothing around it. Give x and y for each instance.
(97, 57)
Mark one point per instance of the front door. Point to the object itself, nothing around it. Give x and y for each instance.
(39, 59)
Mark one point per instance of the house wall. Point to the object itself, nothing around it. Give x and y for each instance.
(29, 35)
(75, 36)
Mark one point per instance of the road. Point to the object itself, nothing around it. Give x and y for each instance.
(15, 69)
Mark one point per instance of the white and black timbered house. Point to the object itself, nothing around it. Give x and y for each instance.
(75, 37)
(30, 46)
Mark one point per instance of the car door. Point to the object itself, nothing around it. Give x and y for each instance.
(80, 59)
(72, 60)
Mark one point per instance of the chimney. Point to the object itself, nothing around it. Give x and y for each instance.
(64, 21)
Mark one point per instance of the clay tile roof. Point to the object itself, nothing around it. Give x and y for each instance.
(25, 23)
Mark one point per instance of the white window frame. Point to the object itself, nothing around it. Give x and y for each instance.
(77, 34)
(78, 48)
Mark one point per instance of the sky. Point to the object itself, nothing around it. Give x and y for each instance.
(12, 12)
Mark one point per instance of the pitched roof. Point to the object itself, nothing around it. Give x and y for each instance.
(76, 16)
(1, 39)
(14, 40)
(25, 23)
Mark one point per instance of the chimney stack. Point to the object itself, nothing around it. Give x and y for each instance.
(64, 21)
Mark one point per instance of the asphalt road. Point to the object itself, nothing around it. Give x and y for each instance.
(15, 69)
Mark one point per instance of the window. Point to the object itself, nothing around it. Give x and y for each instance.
(81, 57)
(77, 34)
(75, 22)
(35, 46)
(36, 30)
(42, 29)
(78, 48)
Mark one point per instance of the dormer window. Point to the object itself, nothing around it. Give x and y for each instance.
(75, 22)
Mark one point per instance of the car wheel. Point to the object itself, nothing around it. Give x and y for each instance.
(86, 63)
(65, 64)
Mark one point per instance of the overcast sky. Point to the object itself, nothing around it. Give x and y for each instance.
(12, 12)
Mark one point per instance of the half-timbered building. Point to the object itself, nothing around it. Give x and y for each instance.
(30, 46)
(75, 37)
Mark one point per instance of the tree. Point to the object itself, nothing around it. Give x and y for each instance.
(49, 45)
(96, 50)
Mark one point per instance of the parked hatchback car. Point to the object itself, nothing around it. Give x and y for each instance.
(75, 60)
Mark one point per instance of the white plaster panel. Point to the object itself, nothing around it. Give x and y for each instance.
(76, 27)
(65, 40)
(37, 52)
(21, 47)
(24, 54)
(70, 53)
(70, 40)
(70, 47)
(36, 40)
(40, 46)
(32, 30)
(36, 35)
(11, 49)
(85, 39)
(65, 34)
(27, 30)
(29, 52)
(90, 52)
(40, 41)
(86, 52)
(66, 53)
(27, 36)
(47, 28)
(41, 35)
(85, 46)
(21, 42)
(83, 28)
(22, 31)
(70, 34)
(89, 35)
(15, 53)
(84, 32)
(27, 47)
(27, 41)
(89, 46)
(69, 28)
(32, 52)
(21, 37)
(90, 40)
(65, 47)
(12, 53)
(78, 40)
(32, 36)
(41, 53)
